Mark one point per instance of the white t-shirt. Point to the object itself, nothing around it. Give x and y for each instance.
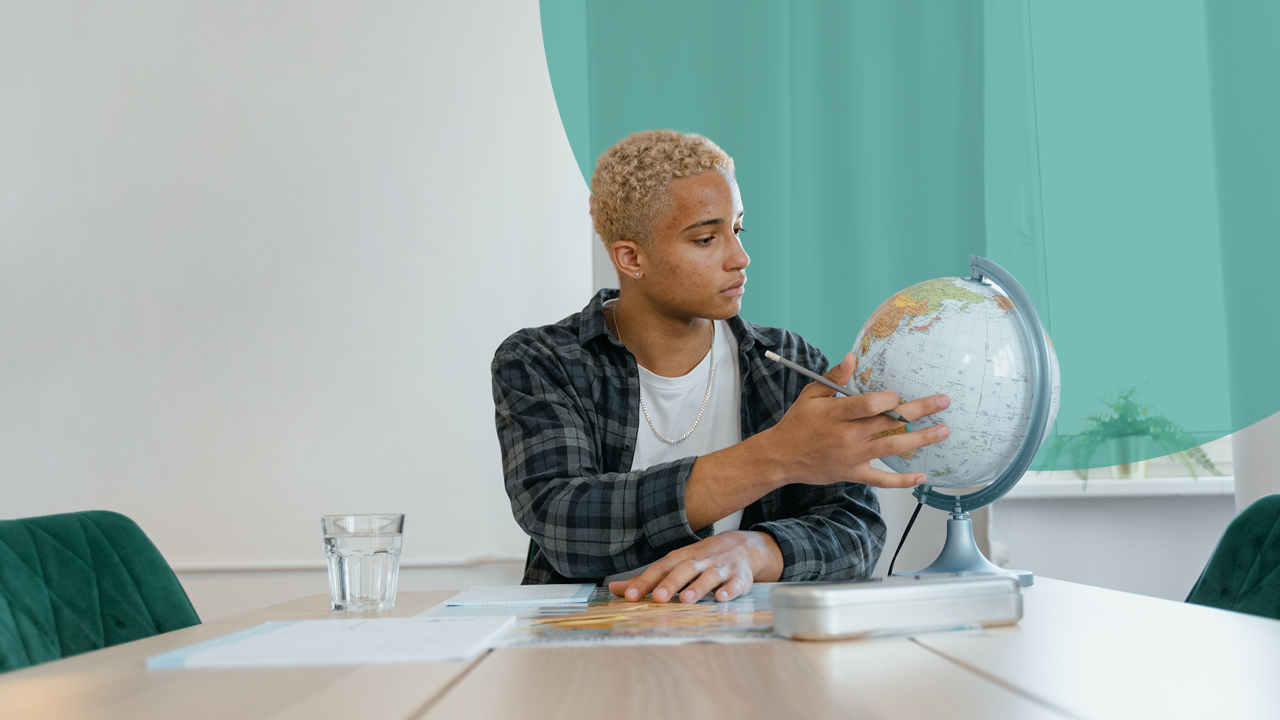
(673, 404)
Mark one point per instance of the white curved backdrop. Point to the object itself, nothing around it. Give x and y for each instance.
(255, 258)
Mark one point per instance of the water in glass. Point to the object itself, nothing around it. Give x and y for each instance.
(364, 562)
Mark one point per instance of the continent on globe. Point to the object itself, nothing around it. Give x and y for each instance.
(962, 338)
(919, 300)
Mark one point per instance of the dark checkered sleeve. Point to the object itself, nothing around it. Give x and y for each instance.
(836, 534)
(589, 523)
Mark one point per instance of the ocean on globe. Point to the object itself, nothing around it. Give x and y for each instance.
(962, 338)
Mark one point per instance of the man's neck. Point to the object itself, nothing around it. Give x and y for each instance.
(663, 345)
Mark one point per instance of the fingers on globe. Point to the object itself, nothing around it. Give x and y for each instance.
(882, 479)
(842, 371)
(839, 374)
(917, 409)
(875, 427)
(870, 405)
(898, 440)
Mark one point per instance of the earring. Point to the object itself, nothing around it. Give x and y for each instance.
(637, 274)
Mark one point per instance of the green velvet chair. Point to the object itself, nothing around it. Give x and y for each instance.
(1243, 573)
(79, 582)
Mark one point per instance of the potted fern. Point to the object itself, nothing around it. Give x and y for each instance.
(1125, 433)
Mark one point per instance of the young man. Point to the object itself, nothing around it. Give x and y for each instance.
(650, 430)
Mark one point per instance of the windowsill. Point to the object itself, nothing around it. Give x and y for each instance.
(1029, 489)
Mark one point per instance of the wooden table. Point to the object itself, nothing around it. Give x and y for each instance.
(1078, 652)
(115, 683)
(1098, 653)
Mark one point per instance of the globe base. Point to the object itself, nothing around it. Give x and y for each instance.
(961, 556)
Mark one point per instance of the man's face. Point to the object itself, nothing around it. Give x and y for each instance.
(695, 266)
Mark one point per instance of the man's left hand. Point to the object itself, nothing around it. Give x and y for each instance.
(727, 563)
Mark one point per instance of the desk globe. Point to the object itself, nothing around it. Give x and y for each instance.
(980, 341)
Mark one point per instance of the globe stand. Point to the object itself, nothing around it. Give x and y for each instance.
(960, 554)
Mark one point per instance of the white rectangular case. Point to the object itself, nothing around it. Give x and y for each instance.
(914, 603)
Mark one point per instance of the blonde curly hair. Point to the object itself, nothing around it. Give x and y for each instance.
(630, 182)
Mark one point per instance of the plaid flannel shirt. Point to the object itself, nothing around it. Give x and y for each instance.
(567, 406)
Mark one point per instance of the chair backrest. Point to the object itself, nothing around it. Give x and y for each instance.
(1243, 573)
(82, 581)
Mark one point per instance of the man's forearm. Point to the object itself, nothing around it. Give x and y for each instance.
(727, 481)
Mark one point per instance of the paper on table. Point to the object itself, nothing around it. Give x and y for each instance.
(342, 642)
(523, 595)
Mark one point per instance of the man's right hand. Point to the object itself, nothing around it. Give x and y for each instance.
(824, 438)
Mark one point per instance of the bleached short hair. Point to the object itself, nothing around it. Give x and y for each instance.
(628, 188)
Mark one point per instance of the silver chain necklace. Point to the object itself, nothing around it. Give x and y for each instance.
(705, 397)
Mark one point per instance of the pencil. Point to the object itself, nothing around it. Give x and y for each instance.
(815, 376)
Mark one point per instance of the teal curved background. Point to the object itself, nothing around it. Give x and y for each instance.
(1244, 62)
(879, 144)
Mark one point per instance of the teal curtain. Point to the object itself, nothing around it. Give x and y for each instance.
(1125, 152)
(856, 128)
(1244, 62)
(886, 148)
(878, 144)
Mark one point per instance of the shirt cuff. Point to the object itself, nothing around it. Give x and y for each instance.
(662, 505)
(801, 559)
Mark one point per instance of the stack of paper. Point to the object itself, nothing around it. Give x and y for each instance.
(503, 595)
(342, 642)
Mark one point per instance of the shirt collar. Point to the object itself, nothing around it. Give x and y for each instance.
(593, 324)
(747, 334)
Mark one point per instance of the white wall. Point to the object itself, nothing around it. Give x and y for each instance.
(1257, 456)
(1147, 545)
(1154, 545)
(255, 258)
(222, 594)
(1150, 545)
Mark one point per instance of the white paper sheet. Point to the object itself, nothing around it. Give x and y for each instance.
(342, 642)
(502, 595)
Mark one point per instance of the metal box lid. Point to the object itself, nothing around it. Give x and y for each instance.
(891, 590)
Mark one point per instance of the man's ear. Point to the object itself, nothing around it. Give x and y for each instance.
(628, 258)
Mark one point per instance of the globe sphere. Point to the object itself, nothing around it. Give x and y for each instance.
(959, 337)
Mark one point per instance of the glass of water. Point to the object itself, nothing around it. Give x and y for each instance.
(364, 560)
